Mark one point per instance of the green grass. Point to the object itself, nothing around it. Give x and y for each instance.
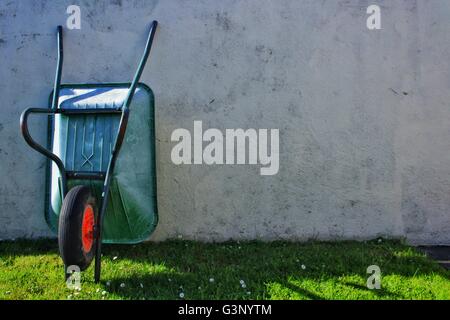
(33, 270)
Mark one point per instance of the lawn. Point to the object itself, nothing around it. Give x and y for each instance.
(233, 270)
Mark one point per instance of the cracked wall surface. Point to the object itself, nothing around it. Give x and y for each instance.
(364, 116)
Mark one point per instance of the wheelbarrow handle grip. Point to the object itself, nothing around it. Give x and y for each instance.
(142, 63)
(59, 39)
(36, 146)
(125, 108)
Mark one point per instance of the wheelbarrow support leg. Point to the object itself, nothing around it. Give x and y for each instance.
(117, 146)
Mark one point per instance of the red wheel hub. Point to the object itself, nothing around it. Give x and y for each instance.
(87, 228)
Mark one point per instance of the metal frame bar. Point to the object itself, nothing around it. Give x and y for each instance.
(39, 148)
(124, 110)
(118, 144)
(59, 40)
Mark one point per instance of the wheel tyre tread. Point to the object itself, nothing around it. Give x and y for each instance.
(70, 224)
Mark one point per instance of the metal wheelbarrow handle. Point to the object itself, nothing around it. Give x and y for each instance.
(132, 89)
(120, 137)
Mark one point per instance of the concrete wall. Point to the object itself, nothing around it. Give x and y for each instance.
(364, 116)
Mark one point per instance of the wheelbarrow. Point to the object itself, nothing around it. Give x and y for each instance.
(94, 194)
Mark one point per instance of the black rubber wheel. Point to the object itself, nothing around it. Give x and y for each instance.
(76, 228)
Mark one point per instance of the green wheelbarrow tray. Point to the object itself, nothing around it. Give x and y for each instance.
(96, 194)
(84, 144)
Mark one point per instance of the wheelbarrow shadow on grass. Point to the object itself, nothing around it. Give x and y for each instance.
(256, 270)
(250, 270)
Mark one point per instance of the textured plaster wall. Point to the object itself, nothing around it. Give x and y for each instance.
(364, 116)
